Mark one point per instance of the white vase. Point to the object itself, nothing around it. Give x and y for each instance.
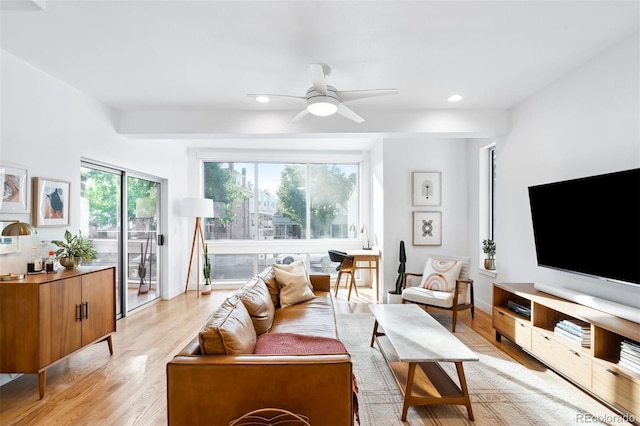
(205, 288)
(394, 298)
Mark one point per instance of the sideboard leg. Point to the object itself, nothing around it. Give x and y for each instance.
(42, 379)
(110, 343)
(498, 336)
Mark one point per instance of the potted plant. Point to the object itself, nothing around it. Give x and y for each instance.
(73, 250)
(206, 272)
(489, 248)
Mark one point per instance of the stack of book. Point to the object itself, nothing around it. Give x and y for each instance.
(630, 355)
(525, 311)
(578, 332)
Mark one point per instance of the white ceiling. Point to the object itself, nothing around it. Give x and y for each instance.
(209, 54)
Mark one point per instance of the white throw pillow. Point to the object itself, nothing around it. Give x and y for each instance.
(294, 283)
(441, 275)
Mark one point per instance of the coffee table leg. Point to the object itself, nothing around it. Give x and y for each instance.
(465, 391)
(375, 331)
(408, 390)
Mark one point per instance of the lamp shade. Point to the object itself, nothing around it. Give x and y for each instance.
(196, 207)
(17, 229)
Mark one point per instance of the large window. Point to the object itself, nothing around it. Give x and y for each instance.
(487, 175)
(281, 201)
(491, 177)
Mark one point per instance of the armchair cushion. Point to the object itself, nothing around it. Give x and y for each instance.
(440, 275)
(441, 299)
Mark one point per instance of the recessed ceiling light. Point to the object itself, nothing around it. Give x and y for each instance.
(262, 99)
(454, 98)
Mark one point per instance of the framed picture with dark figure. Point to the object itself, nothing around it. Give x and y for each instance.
(50, 202)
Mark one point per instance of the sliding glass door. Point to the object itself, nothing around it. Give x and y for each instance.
(120, 213)
(143, 197)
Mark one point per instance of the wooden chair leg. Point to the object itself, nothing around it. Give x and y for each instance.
(454, 319)
(354, 284)
(338, 283)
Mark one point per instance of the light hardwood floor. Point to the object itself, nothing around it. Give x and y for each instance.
(129, 388)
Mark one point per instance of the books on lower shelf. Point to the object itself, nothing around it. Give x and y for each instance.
(576, 331)
(523, 310)
(630, 355)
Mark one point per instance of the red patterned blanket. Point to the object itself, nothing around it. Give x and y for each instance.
(300, 344)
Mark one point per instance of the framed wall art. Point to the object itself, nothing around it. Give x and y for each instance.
(426, 188)
(50, 202)
(14, 192)
(427, 228)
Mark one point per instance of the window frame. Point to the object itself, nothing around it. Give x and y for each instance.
(303, 246)
(486, 200)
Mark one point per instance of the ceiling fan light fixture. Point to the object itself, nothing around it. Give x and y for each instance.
(322, 106)
(262, 99)
(454, 98)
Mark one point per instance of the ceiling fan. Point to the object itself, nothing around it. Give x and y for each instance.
(323, 100)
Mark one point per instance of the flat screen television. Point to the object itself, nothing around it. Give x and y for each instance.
(590, 225)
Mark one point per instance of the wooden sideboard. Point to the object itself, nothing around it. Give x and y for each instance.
(44, 318)
(595, 366)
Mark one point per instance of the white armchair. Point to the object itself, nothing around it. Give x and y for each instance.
(444, 284)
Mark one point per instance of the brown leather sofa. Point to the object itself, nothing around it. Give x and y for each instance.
(215, 389)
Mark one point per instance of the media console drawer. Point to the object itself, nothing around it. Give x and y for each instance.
(516, 329)
(616, 388)
(566, 359)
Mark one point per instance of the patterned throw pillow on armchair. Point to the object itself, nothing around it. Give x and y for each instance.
(440, 275)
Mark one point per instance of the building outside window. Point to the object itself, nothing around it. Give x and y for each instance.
(265, 201)
(271, 202)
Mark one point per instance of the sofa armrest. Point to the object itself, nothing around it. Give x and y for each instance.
(198, 390)
(320, 282)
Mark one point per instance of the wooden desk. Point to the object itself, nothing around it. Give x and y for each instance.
(372, 257)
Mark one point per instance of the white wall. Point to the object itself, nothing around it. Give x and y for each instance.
(48, 127)
(586, 123)
(401, 157)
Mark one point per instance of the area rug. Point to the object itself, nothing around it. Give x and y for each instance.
(502, 391)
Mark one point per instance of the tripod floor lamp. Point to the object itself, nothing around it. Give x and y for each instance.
(198, 208)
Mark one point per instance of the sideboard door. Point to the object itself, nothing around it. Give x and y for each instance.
(60, 325)
(98, 310)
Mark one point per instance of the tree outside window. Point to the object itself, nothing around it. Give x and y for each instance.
(281, 201)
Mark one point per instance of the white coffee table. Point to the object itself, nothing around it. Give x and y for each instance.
(413, 343)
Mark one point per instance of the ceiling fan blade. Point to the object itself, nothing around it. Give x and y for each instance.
(318, 78)
(255, 95)
(299, 115)
(347, 112)
(351, 95)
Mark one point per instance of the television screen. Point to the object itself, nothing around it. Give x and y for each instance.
(590, 225)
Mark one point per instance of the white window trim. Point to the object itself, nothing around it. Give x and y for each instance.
(256, 156)
(484, 187)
